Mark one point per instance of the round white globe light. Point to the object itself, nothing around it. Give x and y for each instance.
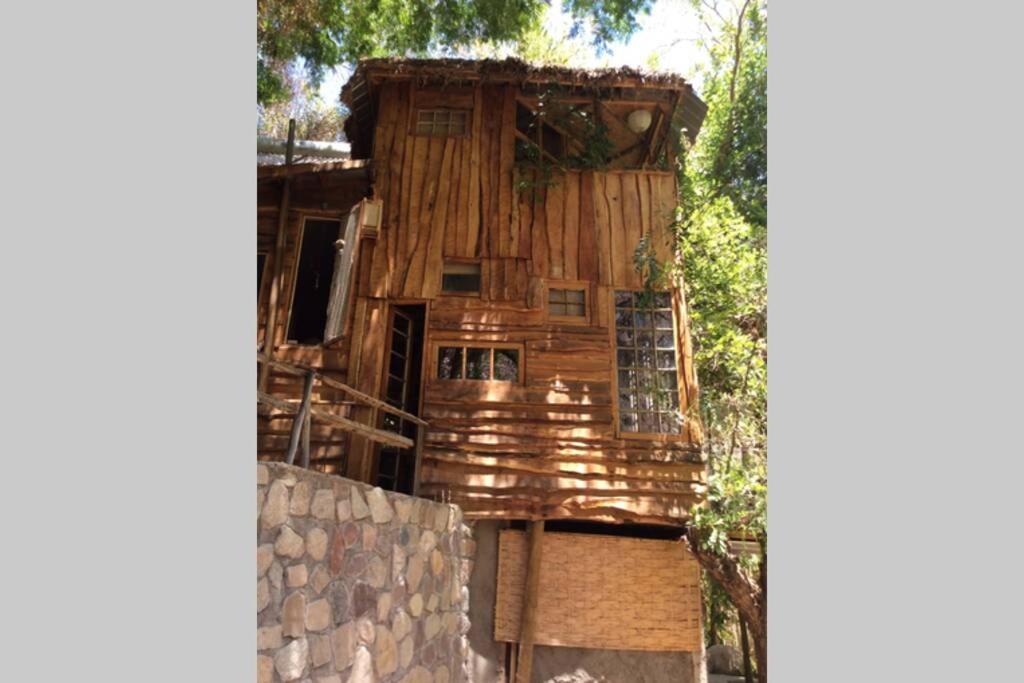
(639, 120)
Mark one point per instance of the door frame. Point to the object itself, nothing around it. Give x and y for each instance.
(421, 431)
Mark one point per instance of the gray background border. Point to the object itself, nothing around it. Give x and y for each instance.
(895, 328)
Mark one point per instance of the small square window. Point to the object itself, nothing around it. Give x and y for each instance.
(569, 303)
(441, 122)
(461, 278)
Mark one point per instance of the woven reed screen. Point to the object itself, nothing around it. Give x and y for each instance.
(603, 592)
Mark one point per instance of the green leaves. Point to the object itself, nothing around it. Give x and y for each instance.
(326, 33)
(723, 240)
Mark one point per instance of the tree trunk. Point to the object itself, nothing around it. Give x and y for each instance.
(748, 595)
(748, 676)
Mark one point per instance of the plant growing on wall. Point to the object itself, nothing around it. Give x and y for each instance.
(583, 142)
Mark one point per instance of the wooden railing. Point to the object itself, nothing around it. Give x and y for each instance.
(304, 412)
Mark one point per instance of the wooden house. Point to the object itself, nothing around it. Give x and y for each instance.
(468, 283)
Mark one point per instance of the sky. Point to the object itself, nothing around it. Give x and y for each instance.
(670, 30)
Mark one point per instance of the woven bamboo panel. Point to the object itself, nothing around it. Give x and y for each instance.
(602, 592)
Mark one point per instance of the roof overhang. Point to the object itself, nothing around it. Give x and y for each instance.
(359, 94)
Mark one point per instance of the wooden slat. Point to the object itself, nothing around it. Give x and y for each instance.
(299, 370)
(370, 433)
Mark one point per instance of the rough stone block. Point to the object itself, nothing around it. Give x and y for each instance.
(297, 575)
(343, 644)
(416, 605)
(318, 615)
(418, 675)
(262, 594)
(380, 509)
(268, 637)
(383, 607)
(432, 626)
(262, 475)
(302, 494)
(289, 543)
(316, 543)
(275, 508)
(320, 579)
(403, 509)
(385, 651)
(405, 652)
(344, 510)
(323, 505)
(264, 556)
(401, 625)
(362, 668)
(293, 615)
(264, 669)
(360, 509)
(320, 650)
(290, 661)
(377, 572)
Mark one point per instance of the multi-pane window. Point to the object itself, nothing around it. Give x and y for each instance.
(460, 278)
(441, 122)
(646, 362)
(479, 363)
(570, 303)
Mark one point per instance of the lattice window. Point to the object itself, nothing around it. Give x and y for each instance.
(441, 122)
(567, 303)
(646, 362)
(478, 363)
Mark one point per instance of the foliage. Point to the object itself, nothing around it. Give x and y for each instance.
(321, 34)
(536, 171)
(315, 119)
(722, 236)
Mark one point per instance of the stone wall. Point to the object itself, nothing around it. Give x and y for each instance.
(355, 584)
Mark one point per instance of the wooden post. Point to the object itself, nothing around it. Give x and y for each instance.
(275, 282)
(307, 426)
(300, 421)
(418, 461)
(528, 631)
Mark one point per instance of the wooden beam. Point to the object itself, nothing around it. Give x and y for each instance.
(300, 420)
(531, 599)
(299, 370)
(275, 171)
(275, 282)
(370, 433)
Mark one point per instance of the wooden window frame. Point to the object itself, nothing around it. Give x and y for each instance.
(683, 435)
(471, 295)
(297, 256)
(435, 354)
(586, 287)
(468, 113)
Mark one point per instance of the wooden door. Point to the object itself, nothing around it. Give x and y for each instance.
(395, 467)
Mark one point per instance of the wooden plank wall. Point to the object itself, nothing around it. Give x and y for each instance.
(313, 195)
(546, 447)
(447, 197)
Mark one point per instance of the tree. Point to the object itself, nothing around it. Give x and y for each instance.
(722, 236)
(315, 119)
(317, 35)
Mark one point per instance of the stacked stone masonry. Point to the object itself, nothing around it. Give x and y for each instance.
(356, 584)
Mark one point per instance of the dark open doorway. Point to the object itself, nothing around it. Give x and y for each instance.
(395, 468)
